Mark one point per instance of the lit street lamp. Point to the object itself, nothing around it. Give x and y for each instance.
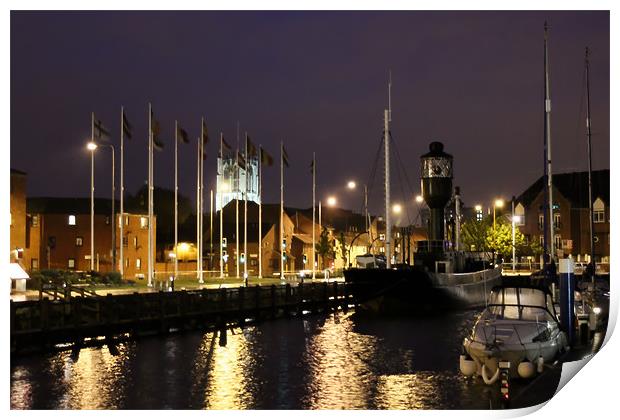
(331, 201)
(397, 208)
(92, 147)
(499, 203)
(351, 185)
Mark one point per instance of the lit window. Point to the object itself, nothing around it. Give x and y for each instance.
(79, 241)
(126, 220)
(71, 220)
(34, 264)
(558, 241)
(144, 222)
(35, 220)
(126, 262)
(557, 220)
(71, 263)
(135, 242)
(138, 263)
(107, 220)
(599, 216)
(542, 240)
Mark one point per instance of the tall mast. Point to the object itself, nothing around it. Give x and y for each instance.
(386, 137)
(549, 174)
(589, 135)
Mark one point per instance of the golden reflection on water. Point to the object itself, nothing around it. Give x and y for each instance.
(94, 378)
(409, 392)
(228, 373)
(339, 372)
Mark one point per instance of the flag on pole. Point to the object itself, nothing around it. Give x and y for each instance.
(251, 148)
(265, 158)
(240, 160)
(205, 133)
(182, 134)
(155, 131)
(100, 131)
(226, 145)
(126, 126)
(284, 156)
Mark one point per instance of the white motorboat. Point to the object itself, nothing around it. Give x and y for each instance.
(518, 331)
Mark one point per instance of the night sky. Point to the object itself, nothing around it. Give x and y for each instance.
(317, 81)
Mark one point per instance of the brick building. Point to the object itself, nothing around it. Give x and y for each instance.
(570, 214)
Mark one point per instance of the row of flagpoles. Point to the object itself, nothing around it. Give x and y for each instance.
(98, 132)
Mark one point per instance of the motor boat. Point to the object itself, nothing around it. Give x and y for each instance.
(519, 331)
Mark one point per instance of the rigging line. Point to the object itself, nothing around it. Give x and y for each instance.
(402, 191)
(401, 166)
(373, 171)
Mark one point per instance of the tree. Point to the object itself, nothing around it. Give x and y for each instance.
(480, 236)
(325, 246)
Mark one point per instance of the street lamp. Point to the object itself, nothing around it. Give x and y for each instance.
(92, 146)
(419, 199)
(331, 201)
(351, 185)
(397, 208)
(498, 203)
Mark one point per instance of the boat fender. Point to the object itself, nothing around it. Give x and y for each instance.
(540, 364)
(485, 375)
(525, 369)
(468, 366)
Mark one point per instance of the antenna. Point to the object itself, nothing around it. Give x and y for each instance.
(390, 96)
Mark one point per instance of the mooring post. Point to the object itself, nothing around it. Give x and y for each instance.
(567, 297)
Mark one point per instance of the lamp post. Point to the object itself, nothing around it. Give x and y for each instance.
(499, 203)
(113, 205)
(92, 146)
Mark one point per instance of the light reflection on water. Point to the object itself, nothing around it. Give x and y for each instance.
(331, 361)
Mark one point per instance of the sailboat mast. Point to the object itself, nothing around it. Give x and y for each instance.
(386, 137)
(589, 135)
(549, 174)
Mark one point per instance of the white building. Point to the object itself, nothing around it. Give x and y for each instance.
(231, 181)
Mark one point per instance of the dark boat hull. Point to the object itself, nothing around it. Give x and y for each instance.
(410, 290)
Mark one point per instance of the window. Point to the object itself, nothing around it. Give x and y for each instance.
(71, 263)
(34, 264)
(125, 242)
(71, 220)
(558, 241)
(557, 221)
(79, 241)
(107, 220)
(35, 221)
(138, 263)
(599, 216)
(541, 221)
(126, 220)
(520, 211)
(598, 211)
(135, 242)
(126, 262)
(144, 222)
(541, 240)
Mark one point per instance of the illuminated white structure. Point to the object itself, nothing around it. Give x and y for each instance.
(231, 181)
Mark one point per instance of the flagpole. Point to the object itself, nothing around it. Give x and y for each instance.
(221, 193)
(198, 208)
(313, 212)
(150, 202)
(122, 222)
(282, 248)
(176, 200)
(260, 211)
(237, 213)
(92, 194)
(320, 225)
(211, 233)
(245, 213)
(202, 188)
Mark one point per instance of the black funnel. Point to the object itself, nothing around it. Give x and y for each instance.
(436, 180)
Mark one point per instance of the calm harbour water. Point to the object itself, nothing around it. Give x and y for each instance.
(328, 361)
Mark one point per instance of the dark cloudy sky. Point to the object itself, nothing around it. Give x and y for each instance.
(317, 81)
